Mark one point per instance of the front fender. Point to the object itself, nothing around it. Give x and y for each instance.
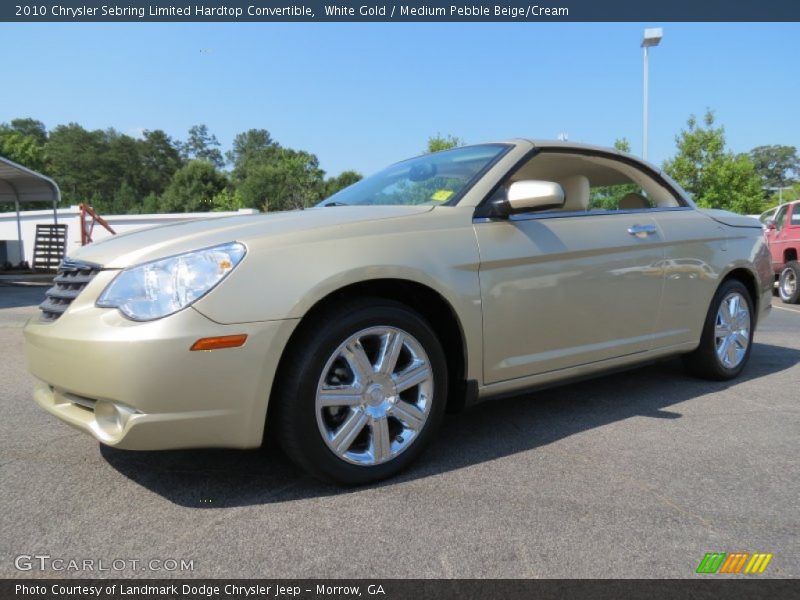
(439, 251)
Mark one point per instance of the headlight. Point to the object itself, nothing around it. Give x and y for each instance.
(162, 287)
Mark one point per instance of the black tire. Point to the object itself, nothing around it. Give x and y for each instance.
(790, 271)
(295, 412)
(704, 362)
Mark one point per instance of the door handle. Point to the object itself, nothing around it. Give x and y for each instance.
(642, 230)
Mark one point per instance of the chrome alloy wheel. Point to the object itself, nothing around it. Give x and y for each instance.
(374, 395)
(788, 284)
(732, 330)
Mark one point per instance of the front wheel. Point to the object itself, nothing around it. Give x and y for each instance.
(727, 335)
(364, 391)
(787, 284)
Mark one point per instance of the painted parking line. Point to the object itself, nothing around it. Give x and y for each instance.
(788, 309)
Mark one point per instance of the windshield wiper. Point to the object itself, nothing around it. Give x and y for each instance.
(336, 204)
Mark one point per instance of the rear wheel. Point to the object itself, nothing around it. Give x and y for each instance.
(363, 393)
(727, 334)
(787, 283)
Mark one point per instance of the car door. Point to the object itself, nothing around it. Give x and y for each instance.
(777, 236)
(564, 291)
(791, 241)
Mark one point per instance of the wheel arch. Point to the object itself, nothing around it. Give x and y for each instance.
(425, 300)
(749, 279)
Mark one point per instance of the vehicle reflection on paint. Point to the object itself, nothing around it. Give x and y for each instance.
(671, 268)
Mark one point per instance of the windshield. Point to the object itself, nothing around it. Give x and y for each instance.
(429, 179)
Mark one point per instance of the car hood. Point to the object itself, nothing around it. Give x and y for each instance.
(120, 251)
(731, 219)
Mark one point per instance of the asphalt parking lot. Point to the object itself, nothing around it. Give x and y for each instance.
(632, 475)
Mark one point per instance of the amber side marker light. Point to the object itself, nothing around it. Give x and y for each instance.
(219, 342)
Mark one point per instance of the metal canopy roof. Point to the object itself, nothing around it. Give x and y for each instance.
(19, 185)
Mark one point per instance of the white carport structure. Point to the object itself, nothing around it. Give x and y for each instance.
(21, 185)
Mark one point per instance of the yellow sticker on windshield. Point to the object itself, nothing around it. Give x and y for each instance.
(442, 195)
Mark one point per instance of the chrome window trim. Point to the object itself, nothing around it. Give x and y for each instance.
(529, 216)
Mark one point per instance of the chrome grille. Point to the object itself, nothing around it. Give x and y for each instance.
(72, 277)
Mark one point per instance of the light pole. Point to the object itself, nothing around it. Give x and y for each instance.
(652, 37)
(780, 192)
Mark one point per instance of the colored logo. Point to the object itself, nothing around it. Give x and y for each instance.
(734, 562)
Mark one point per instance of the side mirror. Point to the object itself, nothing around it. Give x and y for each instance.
(771, 224)
(521, 196)
(532, 194)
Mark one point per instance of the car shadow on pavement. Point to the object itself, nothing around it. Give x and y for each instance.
(491, 430)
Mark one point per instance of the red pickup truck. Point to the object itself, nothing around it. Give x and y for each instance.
(783, 238)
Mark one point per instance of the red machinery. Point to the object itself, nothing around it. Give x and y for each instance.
(88, 219)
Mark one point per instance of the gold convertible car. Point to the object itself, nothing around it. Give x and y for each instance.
(348, 329)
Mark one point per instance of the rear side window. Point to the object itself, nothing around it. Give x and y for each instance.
(796, 214)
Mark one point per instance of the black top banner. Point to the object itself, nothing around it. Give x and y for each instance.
(530, 11)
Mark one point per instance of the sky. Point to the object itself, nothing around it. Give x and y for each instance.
(361, 96)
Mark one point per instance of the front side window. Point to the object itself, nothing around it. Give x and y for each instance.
(430, 179)
(780, 217)
(766, 216)
(597, 183)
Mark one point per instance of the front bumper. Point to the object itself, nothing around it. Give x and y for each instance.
(137, 386)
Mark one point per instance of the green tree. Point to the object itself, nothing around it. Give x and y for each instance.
(270, 177)
(30, 128)
(193, 188)
(622, 144)
(160, 159)
(151, 204)
(112, 169)
(104, 168)
(778, 166)
(291, 179)
(792, 194)
(202, 145)
(227, 200)
(440, 142)
(123, 159)
(253, 145)
(341, 181)
(22, 149)
(713, 175)
(23, 141)
(78, 160)
(252, 151)
(117, 173)
(125, 201)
